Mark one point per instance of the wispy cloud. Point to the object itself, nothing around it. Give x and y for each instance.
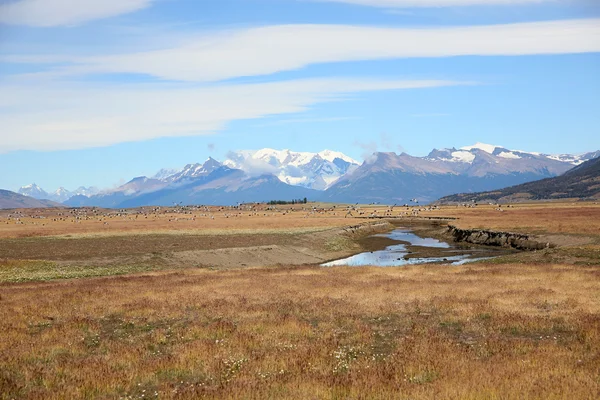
(56, 117)
(46, 13)
(437, 3)
(272, 49)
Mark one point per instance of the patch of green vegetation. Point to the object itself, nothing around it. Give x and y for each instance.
(452, 325)
(39, 327)
(589, 253)
(541, 329)
(338, 243)
(28, 271)
(423, 377)
(386, 328)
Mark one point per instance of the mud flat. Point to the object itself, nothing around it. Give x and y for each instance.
(47, 258)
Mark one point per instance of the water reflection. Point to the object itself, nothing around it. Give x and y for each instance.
(407, 235)
(397, 255)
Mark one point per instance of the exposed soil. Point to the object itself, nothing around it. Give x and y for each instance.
(222, 251)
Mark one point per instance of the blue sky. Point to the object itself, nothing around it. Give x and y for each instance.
(97, 92)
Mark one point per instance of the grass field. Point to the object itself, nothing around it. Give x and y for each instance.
(525, 326)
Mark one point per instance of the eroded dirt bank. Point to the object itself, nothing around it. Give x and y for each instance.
(492, 238)
(289, 247)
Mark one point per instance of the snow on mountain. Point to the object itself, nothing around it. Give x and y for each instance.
(33, 190)
(270, 174)
(332, 155)
(463, 156)
(574, 159)
(452, 155)
(85, 191)
(140, 185)
(61, 194)
(193, 171)
(467, 154)
(311, 170)
(165, 173)
(571, 159)
(396, 178)
(488, 148)
(509, 154)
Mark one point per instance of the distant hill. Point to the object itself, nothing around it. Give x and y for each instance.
(10, 199)
(204, 184)
(267, 174)
(392, 178)
(582, 182)
(61, 194)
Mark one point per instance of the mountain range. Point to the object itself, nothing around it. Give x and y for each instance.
(393, 178)
(311, 170)
(267, 174)
(59, 195)
(581, 182)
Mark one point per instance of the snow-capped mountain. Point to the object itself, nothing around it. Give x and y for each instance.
(581, 182)
(575, 159)
(143, 187)
(59, 195)
(467, 154)
(140, 185)
(311, 170)
(269, 174)
(192, 171)
(165, 173)
(85, 191)
(33, 190)
(389, 177)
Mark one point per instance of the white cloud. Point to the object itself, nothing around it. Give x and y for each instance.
(45, 13)
(51, 117)
(271, 49)
(252, 166)
(436, 3)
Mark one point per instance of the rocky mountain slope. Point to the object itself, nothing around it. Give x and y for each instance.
(210, 183)
(269, 174)
(581, 182)
(393, 178)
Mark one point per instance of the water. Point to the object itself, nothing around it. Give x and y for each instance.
(396, 255)
(406, 235)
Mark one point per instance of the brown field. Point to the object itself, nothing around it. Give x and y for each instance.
(150, 220)
(190, 320)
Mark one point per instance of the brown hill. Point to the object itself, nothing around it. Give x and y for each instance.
(10, 199)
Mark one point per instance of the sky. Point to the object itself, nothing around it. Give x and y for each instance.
(96, 92)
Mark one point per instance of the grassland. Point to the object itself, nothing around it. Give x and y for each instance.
(522, 327)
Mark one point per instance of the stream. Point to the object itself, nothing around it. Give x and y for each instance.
(413, 250)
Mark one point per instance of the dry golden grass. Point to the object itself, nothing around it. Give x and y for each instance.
(569, 218)
(88, 222)
(479, 332)
(529, 329)
(562, 217)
